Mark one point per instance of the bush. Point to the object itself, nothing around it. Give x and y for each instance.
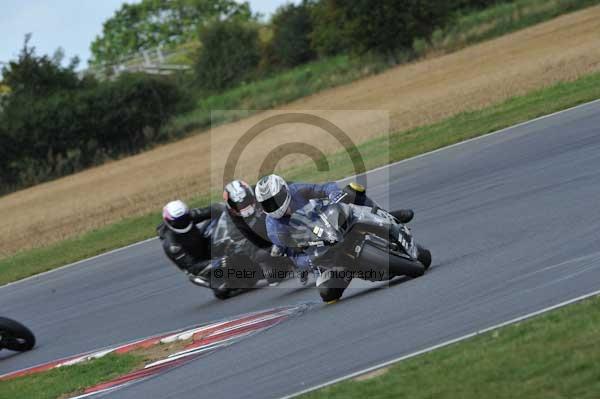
(40, 76)
(7, 152)
(477, 4)
(230, 54)
(385, 26)
(331, 34)
(130, 112)
(53, 123)
(292, 27)
(149, 24)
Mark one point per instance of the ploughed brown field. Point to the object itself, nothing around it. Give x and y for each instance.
(411, 95)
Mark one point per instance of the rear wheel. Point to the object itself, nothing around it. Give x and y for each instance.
(15, 336)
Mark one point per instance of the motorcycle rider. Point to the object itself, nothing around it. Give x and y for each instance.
(280, 200)
(183, 242)
(246, 215)
(189, 248)
(250, 220)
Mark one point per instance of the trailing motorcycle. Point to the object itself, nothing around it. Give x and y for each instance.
(235, 266)
(15, 336)
(349, 241)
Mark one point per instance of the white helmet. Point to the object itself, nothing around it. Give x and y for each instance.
(239, 198)
(273, 194)
(177, 217)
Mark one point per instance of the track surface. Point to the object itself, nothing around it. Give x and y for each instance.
(512, 220)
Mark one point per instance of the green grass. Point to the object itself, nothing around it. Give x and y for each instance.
(376, 152)
(287, 86)
(499, 20)
(69, 379)
(39, 260)
(551, 356)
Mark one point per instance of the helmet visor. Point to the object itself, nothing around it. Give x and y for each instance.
(243, 206)
(182, 223)
(247, 211)
(274, 203)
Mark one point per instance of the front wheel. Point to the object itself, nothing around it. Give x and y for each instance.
(332, 287)
(330, 294)
(15, 336)
(424, 256)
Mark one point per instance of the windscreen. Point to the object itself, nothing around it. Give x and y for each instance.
(313, 225)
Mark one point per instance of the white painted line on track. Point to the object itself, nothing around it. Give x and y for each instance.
(80, 261)
(442, 344)
(504, 130)
(104, 391)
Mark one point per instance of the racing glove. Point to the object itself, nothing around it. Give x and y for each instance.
(277, 251)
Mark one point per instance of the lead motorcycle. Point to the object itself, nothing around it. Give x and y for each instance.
(349, 241)
(15, 336)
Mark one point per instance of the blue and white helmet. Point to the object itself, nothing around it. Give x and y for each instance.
(177, 217)
(273, 194)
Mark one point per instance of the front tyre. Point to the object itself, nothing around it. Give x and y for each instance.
(15, 336)
(222, 294)
(330, 294)
(424, 256)
(332, 287)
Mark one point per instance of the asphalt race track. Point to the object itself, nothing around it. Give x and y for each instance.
(512, 219)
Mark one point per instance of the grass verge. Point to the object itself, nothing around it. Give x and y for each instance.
(375, 153)
(117, 235)
(287, 86)
(39, 260)
(278, 89)
(69, 380)
(550, 356)
(492, 22)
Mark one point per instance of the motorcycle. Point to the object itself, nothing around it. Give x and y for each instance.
(15, 336)
(347, 241)
(233, 268)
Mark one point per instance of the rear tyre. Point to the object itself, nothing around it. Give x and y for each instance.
(15, 336)
(424, 256)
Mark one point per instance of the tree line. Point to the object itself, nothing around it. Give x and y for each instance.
(54, 122)
(235, 46)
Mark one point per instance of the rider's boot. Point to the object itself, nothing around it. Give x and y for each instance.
(403, 215)
(304, 276)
